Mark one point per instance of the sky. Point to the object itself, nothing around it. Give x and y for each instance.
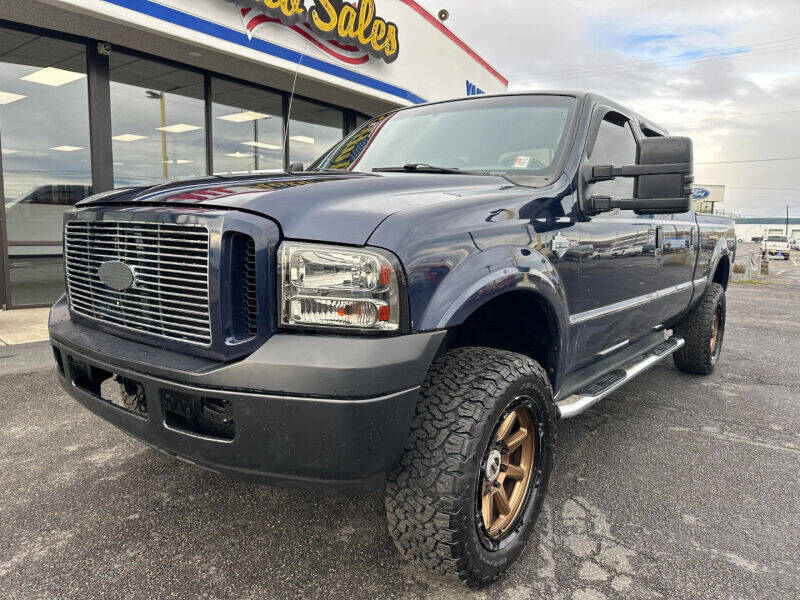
(725, 73)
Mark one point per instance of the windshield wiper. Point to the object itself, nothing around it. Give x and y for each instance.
(417, 168)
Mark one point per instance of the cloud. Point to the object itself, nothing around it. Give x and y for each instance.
(727, 73)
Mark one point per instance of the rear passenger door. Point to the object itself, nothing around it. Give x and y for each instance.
(622, 267)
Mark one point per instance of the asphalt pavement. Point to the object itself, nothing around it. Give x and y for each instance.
(676, 486)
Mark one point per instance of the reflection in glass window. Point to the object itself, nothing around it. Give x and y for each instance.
(44, 132)
(615, 145)
(247, 128)
(157, 121)
(313, 129)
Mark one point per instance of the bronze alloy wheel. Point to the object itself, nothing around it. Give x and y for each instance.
(712, 343)
(506, 471)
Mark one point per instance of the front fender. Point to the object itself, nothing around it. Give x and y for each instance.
(486, 275)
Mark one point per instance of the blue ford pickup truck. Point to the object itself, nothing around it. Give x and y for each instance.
(415, 310)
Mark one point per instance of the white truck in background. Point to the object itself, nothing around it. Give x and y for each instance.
(775, 245)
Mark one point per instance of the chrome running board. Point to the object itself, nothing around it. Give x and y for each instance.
(592, 393)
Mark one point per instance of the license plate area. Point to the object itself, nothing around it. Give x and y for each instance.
(122, 392)
(207, 417)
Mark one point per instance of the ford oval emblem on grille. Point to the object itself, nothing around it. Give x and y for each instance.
(117, 275)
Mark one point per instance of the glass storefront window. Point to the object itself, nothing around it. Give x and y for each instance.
(44, 139)
(247, 128)
(313, 129)
(158, 130)
(157, 121)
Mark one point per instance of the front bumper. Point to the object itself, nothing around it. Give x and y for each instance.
(325, 413)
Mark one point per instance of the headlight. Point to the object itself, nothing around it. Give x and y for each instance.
(334, 286)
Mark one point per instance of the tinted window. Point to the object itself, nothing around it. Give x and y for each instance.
(248, 128)
(777, 238)
(57, 195)
(615, 145)
(44, 130)
(312, 130)
(157, 121)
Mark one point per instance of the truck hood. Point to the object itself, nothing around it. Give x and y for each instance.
(339, 208)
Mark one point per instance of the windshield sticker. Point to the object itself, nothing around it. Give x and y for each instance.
(522, 162)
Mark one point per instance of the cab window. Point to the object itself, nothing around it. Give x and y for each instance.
(614, 145)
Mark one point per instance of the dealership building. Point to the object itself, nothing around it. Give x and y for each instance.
(101, 94)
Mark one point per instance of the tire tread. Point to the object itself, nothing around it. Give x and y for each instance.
(425, 494)
(695, 329)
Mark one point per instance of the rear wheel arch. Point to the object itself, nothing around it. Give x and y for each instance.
(722, 271)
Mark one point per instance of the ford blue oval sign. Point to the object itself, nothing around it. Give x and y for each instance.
(700, 194)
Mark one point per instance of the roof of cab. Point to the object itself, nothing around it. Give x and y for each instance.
(644, 123)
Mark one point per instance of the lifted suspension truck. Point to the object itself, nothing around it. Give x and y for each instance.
(415, 310)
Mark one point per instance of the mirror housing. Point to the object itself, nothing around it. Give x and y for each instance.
(663, 178)
(296, 167)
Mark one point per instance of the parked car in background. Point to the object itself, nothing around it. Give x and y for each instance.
(35, 220)
(776, 245)
(414, 312)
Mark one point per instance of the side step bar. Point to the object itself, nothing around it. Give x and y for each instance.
(610, 382)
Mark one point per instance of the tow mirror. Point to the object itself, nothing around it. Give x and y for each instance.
(663, 178)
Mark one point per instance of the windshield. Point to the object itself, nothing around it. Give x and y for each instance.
(777, 238)
(523, 134)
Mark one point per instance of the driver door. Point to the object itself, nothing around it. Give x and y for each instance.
(620, 267)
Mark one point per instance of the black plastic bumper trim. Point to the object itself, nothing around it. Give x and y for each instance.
(290, 364)
(322, 444)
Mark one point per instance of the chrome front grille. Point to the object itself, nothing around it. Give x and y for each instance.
(169, 297)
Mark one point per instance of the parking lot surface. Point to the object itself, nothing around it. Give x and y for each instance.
(676, 486)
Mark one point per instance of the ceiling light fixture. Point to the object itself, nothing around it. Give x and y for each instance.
(302, 138)
(8, 97)
(179, 128)
(247, 115)
(128, 137)
(67, 148)
(10, 151)
(238, 154)
(262, 145)
(53, 76)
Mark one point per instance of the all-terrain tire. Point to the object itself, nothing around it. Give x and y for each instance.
(431, 494)
(696, 328)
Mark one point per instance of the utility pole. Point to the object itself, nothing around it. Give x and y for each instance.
(787, 220)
